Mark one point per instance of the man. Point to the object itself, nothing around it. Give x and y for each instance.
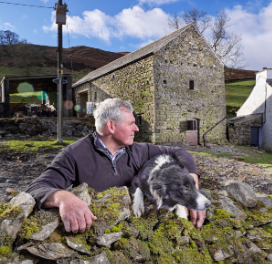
(104, 159)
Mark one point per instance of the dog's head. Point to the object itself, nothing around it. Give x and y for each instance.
(172, 184)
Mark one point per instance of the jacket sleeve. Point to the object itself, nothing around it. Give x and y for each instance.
(57, 176)
(176, 152)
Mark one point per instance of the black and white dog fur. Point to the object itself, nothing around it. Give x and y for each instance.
(166, 182)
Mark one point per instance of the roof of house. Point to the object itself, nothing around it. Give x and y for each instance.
(136, 55)
(243, 118)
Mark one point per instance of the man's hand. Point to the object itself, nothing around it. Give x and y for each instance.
(74, 212)
(197, 217)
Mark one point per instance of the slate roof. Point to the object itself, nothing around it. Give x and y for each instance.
(135, 55)
(243, 118)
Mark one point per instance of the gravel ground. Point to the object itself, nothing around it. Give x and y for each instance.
(18, 169)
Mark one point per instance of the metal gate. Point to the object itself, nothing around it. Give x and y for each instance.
(192, 132)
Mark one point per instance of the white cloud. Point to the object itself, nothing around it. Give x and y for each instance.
(256, 32)
(157, 2)
(7, 26)
(24, 17)
(44, 1)
(53, 26)
(132, 22)
(136, 22)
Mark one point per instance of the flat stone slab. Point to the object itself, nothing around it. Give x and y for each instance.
(47, 230)
(77, 247)
(51, 251)
(229, 206)
(107, 239)
(242, 193)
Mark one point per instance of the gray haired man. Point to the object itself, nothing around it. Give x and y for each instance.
(103, 159)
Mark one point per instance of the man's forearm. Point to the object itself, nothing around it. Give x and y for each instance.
(55, 199)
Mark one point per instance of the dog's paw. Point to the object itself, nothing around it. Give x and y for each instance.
(138, 203)
(181, 212)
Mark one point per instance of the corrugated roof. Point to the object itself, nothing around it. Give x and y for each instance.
(32, 76)
(135, 55)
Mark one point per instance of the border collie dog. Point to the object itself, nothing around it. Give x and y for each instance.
(166, 182)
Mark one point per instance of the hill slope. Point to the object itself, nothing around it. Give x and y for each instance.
(34, 59)
(31, 59)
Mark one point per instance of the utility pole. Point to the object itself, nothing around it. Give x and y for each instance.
(60, 20)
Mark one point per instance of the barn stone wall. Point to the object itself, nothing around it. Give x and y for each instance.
(188, 58)
(158, 86)
(133, 83)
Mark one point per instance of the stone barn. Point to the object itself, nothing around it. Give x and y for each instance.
(255, 115)
(175, 84)
(16, 91)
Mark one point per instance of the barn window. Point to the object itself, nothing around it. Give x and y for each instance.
(192, 85)
(95, 96)
(164, 81)
(139, 120)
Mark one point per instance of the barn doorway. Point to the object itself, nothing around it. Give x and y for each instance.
(83, 101)
(192, 133)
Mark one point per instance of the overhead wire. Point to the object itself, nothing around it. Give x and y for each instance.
(8, 3)
(68, 35)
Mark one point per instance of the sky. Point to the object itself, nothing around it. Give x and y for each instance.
(126, 25)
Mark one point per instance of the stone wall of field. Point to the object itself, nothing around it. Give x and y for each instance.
(239, 133)
(133, 83)
(184, 59)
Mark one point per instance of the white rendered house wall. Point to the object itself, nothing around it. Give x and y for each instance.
(255, 102)
(267, 126)
(260, 101)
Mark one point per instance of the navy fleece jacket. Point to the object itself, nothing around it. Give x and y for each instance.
(86, 161)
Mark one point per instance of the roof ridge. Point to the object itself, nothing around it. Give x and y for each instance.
(130, 57)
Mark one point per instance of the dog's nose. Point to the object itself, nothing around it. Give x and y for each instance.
(208, 204)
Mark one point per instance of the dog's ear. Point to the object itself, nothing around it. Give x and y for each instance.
(158, 192)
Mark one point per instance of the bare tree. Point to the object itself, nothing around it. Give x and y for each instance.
(7, 40)
(201, 18)
(175, 21)
(227, 45)
(8, 37)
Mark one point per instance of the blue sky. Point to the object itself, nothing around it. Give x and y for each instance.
(127, 25)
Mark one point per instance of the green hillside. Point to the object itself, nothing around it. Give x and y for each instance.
(238, 92)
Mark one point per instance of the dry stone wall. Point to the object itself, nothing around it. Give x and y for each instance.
(238, 229)
(239, 133)
(184, 59)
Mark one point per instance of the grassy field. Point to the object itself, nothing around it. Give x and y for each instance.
(30, 97)
(41, 145)
(35, 144)
(238, 92)
(254, 156)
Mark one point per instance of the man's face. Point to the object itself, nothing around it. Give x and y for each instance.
(124, 132)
